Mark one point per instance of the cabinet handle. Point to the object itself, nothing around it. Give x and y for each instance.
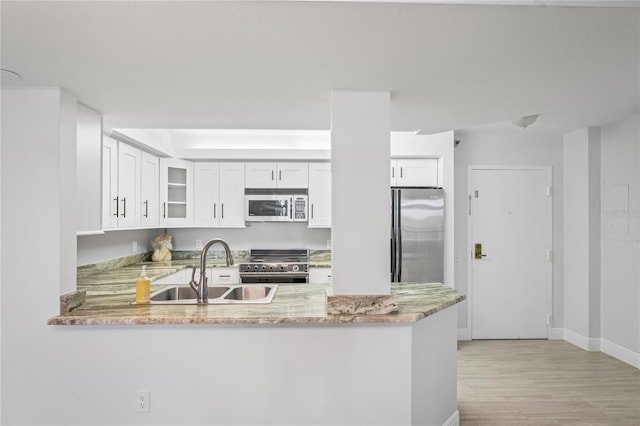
(272, 174)
(146, 208)
(117, 206)
(290, 208)
(124, 206)
(279, 175)
(400, 172)
(221, 210)
(393, 172)
(164, 210)
(214, 210)
(224, 276)
(311, 210)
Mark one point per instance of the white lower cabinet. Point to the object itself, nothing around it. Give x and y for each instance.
(222, 276)
(215, 276)
(319, 275)
(177, 278)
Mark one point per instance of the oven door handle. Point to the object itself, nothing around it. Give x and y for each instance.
(273, 274)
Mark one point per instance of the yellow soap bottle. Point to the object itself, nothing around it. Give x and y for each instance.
(143, 287)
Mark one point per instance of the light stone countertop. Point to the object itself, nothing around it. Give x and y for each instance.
(109, 295)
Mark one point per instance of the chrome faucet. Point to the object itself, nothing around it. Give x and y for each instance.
(201, 288)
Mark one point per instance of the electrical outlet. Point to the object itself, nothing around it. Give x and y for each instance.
(135, 246)
(142, 401)
(198, 244)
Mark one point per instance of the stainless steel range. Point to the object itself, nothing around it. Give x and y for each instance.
(276, 266)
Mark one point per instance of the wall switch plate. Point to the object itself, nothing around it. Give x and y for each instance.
(135, 246)
(198, 244)
(142, 401)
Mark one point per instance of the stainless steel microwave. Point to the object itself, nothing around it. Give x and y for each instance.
(275, 208)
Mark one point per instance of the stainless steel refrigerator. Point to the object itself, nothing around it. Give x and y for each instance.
(417, 235)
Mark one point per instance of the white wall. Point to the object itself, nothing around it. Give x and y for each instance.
(620, 286)
(513, 148)
(38, 240)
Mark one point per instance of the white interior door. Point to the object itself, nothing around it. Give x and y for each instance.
(511, 219)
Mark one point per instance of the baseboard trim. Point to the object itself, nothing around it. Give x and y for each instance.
(583, 342)
(619, 352)
(454, 420)
(464, 334)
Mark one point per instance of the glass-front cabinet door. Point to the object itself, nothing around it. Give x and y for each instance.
(176, 186)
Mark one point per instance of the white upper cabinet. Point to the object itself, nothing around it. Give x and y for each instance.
(120, 184)
(206, 200)
(219, 194)
(319, 195)
(277, 175)
(129, 186)
(260, 175)
(232, 176)
(293, 175)
(109, 182)
(127, 208)
(176, 192)
(149, 190)
(414, 172)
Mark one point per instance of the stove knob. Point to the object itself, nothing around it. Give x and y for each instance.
(295, 268)
(282, 268)
(264, 268)
(255, 268)
(271, 267)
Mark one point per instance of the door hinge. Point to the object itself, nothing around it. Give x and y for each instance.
(475, 193)
(549, 255)
(548, 319)
(549, 190)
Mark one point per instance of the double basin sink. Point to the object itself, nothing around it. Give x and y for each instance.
(231, 294)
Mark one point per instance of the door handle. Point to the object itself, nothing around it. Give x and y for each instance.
(478, 251)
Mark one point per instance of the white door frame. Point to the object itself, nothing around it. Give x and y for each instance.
(549, 171)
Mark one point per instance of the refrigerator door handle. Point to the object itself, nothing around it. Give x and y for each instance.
(399, 240)
(393, 260)
(393, 236)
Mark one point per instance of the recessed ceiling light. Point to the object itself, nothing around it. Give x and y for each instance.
(9, 75)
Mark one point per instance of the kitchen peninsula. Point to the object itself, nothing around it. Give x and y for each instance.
(290, 360)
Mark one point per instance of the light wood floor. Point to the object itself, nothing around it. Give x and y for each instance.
(544, 382)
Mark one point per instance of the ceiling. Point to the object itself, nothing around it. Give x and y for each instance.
(273, 65)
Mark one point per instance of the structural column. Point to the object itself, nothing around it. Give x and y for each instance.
(582, 237)
(361, 213)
